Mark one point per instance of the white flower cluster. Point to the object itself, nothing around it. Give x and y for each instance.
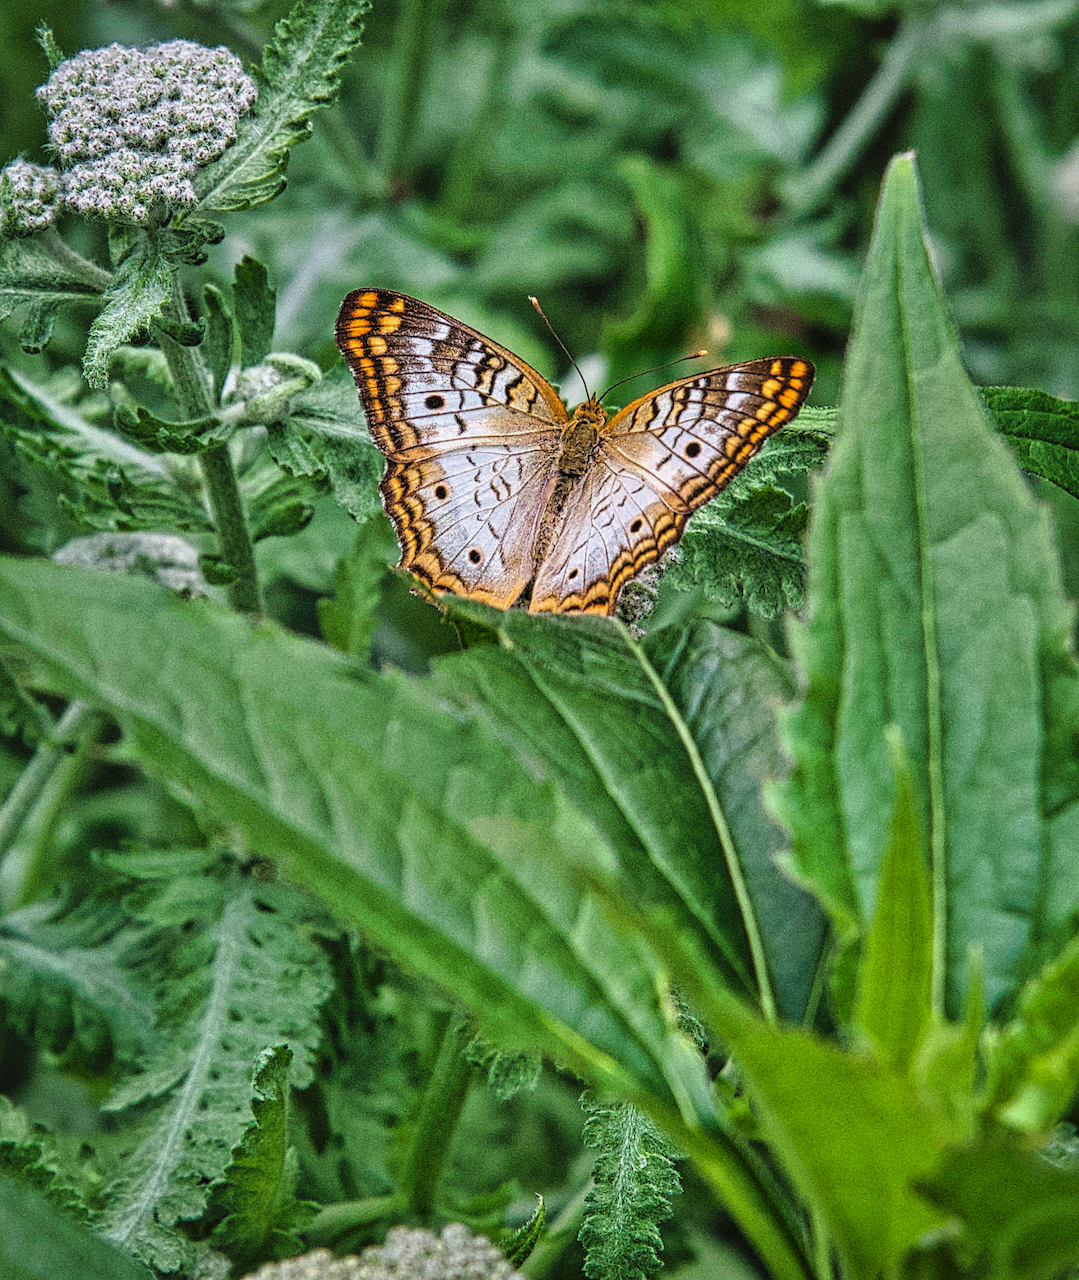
(131, 126)
(407, 1254)
(29, 198)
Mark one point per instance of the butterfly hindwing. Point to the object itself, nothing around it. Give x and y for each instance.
(471, 435)
(659, 459)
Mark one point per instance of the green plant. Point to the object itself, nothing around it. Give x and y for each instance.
(804, 928)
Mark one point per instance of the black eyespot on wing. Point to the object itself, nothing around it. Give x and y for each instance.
(692, 449)
(572, 573)
(635, 527)
(475, 555)
(435, 402)
(441, 492)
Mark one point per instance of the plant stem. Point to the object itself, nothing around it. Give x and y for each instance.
(437, 1122)
(33, 780)
(413, 39)
(811, 188)
(192, 382)
(559, 1236)
(337, 1220)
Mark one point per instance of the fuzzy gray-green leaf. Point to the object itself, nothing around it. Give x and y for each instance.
(136, 297)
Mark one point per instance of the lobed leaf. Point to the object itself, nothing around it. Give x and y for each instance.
(254, 304)
(137, 296)
(301, 68)
(1042, 430)
(634, 1181)
(40, 275)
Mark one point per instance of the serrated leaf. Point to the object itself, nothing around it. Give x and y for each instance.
(300, 73)
(139, 292)
(29, 1158)
(39, 1242)
(518, 1245)
(245, 980)
(40, 275)
(746, 545)
(264, 1217)
(106, 482)
(255, 304)
(635, 1179)
(409, 820)
(615, 721)
(70, 980)
(937, 605)
(1042, 430)
(158, 435)
(325, 434)
(895, 999)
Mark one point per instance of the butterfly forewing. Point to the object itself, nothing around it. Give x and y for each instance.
(659, 459)
(471, 435)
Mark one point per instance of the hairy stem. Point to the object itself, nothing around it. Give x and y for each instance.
(192, 382)
(813, 187)
(437, 1122)
(33, 780)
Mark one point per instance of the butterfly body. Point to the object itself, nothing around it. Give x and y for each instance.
(493, 485)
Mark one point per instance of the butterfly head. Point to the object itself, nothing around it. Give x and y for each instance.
(579, 437)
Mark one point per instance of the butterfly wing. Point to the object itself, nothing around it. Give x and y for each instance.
(658, 460)
(471, 434)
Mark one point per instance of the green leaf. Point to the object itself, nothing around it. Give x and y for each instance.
(71, 981)
(264, 1216)
(28, 1157)
(518, 1245)
(244, 979)
(1020, 1216)
(1033, 1067)
(39, 276)
(278, 505)
(410, 822)
(936, 604)
(634, 1181)
(850, 1133)
(159, 435)
(746, 546)
(895, 998)
(325, 434)
(135, 299)
(348, 618)
(104, 480)
(39, 1242)
(218, 346)
(615, 722)
(1042, 431)
(301, 68)
(20, 715)
(254, 308)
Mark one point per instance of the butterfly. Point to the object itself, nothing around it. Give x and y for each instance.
(493, 485)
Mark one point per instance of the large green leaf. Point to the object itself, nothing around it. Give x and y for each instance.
(1043, 431)
(936, 605)
(409, 820)
(414, 825)
(664, 744)
(39, 1241)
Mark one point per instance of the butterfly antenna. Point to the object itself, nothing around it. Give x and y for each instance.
(693, 355)
(535, 303)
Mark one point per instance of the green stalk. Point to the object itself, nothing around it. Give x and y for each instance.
(338, 1220)
(192, 382)
(812, 188)
(437, 1122)
(413, 39)
(24, 795)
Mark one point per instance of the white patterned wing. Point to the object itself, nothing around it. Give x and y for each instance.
(467, 519)
(658, 460)
(471, 434)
